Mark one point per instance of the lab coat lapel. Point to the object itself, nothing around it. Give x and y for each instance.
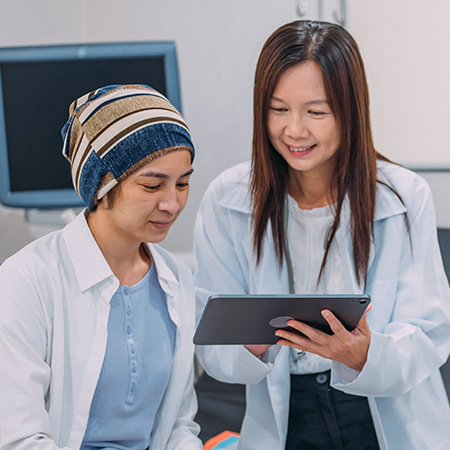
(387, 205)
(169, 284)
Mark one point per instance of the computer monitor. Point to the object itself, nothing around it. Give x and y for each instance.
(37, 85)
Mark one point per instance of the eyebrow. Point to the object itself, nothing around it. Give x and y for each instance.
(164, 175)
(312, 102)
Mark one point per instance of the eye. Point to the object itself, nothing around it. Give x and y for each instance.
(151, 188)
(183, 185)
(278, 109)
(316, 113)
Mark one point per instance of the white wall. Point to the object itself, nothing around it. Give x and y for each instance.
(218, 44)
(406, 48)
(405, 45)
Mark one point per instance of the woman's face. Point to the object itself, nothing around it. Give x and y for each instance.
(300, 123)
(151, 199)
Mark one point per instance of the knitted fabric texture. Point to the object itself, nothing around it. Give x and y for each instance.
(115, 130)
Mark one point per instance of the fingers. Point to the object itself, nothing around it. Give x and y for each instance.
(293, 340)
(349, 348)
(336, 326)
(338, 329)
(363, 325)
(308, 343)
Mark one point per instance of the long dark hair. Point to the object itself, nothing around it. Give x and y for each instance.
(336, 53)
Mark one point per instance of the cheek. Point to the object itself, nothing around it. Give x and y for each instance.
(182, 199)
(336, 132)
(332, 136)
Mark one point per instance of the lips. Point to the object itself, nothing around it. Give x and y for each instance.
(161, 225)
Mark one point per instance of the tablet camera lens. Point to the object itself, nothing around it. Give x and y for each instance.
(362, 301)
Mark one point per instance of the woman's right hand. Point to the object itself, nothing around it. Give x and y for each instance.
(257, 350)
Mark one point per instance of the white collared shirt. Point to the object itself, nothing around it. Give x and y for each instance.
(307, 233)
(54, 308)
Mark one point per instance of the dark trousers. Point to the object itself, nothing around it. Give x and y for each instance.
(323, 418)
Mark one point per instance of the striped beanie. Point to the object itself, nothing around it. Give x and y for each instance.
(115, 130)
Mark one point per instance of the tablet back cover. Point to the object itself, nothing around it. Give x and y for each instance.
(253, 319)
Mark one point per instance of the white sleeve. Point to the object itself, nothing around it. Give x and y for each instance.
(24, 373)
(415, 342)
(221, 267)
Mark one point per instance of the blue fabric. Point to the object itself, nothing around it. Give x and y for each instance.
(127, 153)
(225, 443)
(130, 150)
(144, 142)
(94, 170)
(67, 128)
(136, 368)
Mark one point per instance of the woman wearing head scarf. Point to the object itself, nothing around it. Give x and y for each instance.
(96, 320)
(319, 211)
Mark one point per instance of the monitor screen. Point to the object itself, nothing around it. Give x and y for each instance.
(37, 85)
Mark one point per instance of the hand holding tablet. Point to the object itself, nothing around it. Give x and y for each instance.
(253, 319)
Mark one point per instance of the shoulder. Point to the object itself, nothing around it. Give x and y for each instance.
(413, 190)
(29, 277)
(231, 188)
(400, 177)
(36, 256)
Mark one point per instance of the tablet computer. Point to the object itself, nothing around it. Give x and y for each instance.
(253, 319)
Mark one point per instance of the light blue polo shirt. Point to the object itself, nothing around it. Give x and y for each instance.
(136, 368)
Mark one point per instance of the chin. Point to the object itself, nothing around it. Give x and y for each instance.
(156, 239)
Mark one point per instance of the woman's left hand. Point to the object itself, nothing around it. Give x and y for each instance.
(347, 347)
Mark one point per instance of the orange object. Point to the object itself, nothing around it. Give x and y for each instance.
(219, 441)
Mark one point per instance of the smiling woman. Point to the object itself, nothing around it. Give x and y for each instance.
(319, 211)
(96, 321)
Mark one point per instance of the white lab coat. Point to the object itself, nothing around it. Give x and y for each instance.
(410, 320)
(54, 307)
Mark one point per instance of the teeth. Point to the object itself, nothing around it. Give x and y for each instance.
(300, 149)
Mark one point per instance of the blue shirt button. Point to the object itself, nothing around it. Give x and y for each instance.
(321, 378)
(134, 368)
(126, 290)
(128, 329)
(129, 311)
(133, 388)
(133, 349)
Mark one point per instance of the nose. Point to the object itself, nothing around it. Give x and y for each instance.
(169, 202)
(296, 126)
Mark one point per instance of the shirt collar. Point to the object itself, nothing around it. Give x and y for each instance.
(166, 275)
(238, 197)
(387, 202)
(88, 261)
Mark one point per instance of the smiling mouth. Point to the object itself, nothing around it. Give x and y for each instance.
(301, 149)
